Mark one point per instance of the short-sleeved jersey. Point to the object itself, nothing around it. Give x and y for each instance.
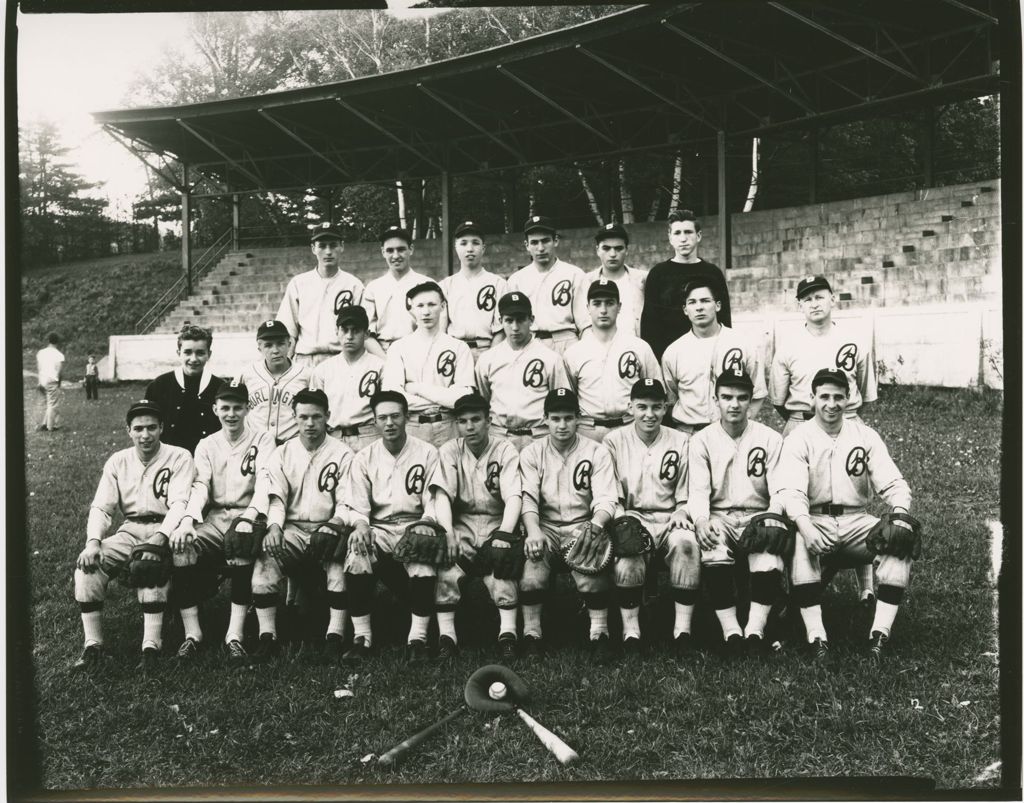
(145, 489)
(385, 304)
(308, 486)
(817, 469)
(480, 485)
(556, 297)
(799, 355)
(270, 398)
(393, 490)
(516, 382)
(473, 304)
(603, 374)
(650, 478)
(692, 364)
(232, 475)
(349, 387)
(443, 361)
(310, 307)
(570, 488)
(631, 296)
(733, 474)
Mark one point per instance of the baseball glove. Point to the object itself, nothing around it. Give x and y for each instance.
(629, 537)
(423, 541)
(143, 572)
(896, 534)
(245, 545)
(502, 555)
(767, 532)
(589, 551)
(329, 542)
(478, 698)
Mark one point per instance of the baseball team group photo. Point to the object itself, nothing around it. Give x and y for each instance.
(518, 414)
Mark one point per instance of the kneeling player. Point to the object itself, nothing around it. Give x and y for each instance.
(650, 464)
(149, 483)
(831, 467)
(568, 498)
(733, 468)
(481, 478)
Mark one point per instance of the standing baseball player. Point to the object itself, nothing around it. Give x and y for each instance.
(612, 251)
(350, 379)
(650, 467)
(733, 468)
(516, 375)
(385, 299)
(312, 299)
(569, 496)
(306, 523)
(224, 521)
(273, 381)
(395, 491)
(50, 366)
(472, 292)
(606, 362)
(481, 479)
(660, 323)
(694, 362)
(831, 468)
(149, 484)
(555, 288)
(430, 367)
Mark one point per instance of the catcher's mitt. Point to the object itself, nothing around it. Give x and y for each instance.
(502, 555)
(629, 537)
(423, 541)
(245, 545)
(589, 551)
(479, 683)
(143, 572)
(896, 534)
(330, 545)
(767, 532)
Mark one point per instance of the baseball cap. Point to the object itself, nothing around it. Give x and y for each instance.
(471, 402)
(396, 231)
(561, 400)
(831, 376)
(467, 227)
(423, 287)
(514, 302)
(382, 396)
(233, 390)
(809, 284)
(603, 288)
(735, 378)
(353, 314)
(648, 389)
(310, 396)
(144, 407)
(272, 329)
(611, 230)
(325, 231)
(539, 223)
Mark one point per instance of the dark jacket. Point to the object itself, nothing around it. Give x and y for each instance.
(188, 418)
(663, 321)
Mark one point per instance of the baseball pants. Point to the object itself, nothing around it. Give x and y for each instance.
(314, 359)
(559, 341)
(114, 552)
(596, 432)
(385, 539)
(850, 532)
(537, 572)
(520, 438)
(473, 530)
(269, 572)
(209, 538)
(676, 546)
(356, 437)
(733, 522)
(436, 433)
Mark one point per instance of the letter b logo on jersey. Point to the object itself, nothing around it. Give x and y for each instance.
(485, 298)
(629, 365)
(581, 475)
(846, 357)
(669, 467)
(249, 461)
(493, 472)
(446, 364)
(757, 462)
(368, 384)
(732, 362)
(343, 299)
(415, 479)
(160, 483)
(328, 479)
(857, 462)
(561, 293)
(533, 374)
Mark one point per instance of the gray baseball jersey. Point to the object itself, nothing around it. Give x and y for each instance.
(567, 489)
(232, 475)
(473, 304)
(650, 478)
(480, 485)
(310, 306)
(603, 374)
(516, 382)
(308, 486)
(443, 361)
(558, 296)
(385, 305)
(631, 296)
(349, 387)
(270, 399)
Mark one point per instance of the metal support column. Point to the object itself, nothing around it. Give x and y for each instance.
(234, 221)
(446, 223)
(186, 228)
(927, 145)
(812, 174)
(724, 220)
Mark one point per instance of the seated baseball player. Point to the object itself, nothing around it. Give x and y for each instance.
(650, 467)
(831, 468)
(569, 497)
(272, 381)
(430, 367)
(350, 379)
(396, 500)
(306, 524)
(385, 296)
(473, 291)
(517, 374)
(481, 479)
(224, 521)
(733, 468)
(148, 483)
(605, 364)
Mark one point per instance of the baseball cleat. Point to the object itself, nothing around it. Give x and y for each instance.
(359, 651)
(415, 651)
(189, 650)
(734, 647)
(601, 647)
(819, 651)
(334, 646)
(683, 646)
(150, 658)
(754, 646)
(533, 646)
(507, 646)
(236, 652)
(877, 645)
(632, 646)
(867, 599)
(267, 648)
(447, 648)
(90, 658)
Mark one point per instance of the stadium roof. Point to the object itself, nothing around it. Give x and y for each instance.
(649, 77)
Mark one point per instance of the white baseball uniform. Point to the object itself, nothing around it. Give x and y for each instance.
(270, 398)
(310, 306)
(349, 387)
(559, 299)
(473, 306)
(631, 296)
(385, 305)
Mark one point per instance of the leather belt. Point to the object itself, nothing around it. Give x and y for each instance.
(531, 431)
(349, 432)
(433, 418)
(806, 415)
(477, 343)
(543, 335)
(834, 510)
(150, 519)
(609, 423)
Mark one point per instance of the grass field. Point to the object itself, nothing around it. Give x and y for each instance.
(932, 711)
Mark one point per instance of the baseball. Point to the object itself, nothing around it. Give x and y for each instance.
(497, 690)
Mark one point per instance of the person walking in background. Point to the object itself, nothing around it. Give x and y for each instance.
(92, 379)
(49, 364)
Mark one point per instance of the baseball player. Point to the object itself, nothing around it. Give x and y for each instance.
(149, 484)
(568, 489)
(307, 480)
(612, 251)
(473, 292)
(350, 379)
(273, 381)
(186, 394)
(430, 367)
(555, 288)
(733, 475)
(650, 467)
(393, 483)
(660, 321)
(481, 478)
(516, 375)
(693, 362)
(312, 299)
(386, 295)
(230, 488)
(831, 468)
(606, 362)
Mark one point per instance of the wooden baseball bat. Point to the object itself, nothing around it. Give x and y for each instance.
(565, 754)
(399, 750)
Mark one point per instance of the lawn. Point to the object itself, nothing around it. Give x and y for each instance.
(931, 711)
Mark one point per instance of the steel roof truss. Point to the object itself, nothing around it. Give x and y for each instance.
(169, 178)
(393, 137)
(209, 144)
(319, 154)
(972, 10)
(554, 104)
(470, 121)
